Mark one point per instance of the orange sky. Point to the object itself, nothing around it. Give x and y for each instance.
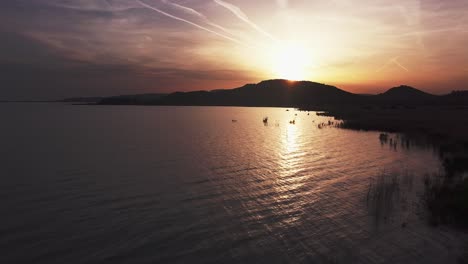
(104, 47)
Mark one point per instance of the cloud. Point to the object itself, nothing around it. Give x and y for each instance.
(92, 5)
(191, 23)
(433, 31)
(121, 39)
(197, 74)
(242, 16)
(197, 14)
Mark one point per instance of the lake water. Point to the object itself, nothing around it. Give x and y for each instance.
(134, 184)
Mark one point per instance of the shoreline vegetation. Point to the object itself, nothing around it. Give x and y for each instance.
(440, 120)
(445, 193)
(445, 128)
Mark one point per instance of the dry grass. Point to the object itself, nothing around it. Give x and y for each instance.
(388, 196)
(382, 195)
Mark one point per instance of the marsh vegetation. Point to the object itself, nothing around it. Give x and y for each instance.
(444, 129)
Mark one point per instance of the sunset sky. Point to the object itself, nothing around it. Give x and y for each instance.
(63, 48)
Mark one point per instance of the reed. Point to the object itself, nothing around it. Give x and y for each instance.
(382, 194)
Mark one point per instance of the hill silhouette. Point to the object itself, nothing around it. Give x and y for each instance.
(82, 99)
(404, 91)
(285, 93)
(265, 93)
(132, 99)
(405, 94)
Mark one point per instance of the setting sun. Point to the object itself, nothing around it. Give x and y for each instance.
(290, 61)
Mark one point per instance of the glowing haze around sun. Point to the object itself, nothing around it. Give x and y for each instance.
(291, 61)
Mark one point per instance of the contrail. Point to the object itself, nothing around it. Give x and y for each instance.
(87, 6)
(394, 61)
(441, 30)
(198, 14)
(191, 23)
(186, 9)
(242, 16)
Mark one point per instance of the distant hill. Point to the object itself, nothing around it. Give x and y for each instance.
(405, 93)
(82, 99)
(132, 99)
(456, 98)
(284, 93)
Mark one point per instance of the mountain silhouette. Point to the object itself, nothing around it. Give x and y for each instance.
(133, 99)
(456, 98)
(266, 93)
(404, 93)
(285, 93)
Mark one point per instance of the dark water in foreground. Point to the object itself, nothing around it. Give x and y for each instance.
(128, 184)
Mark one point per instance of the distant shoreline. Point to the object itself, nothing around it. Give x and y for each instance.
(29, 101)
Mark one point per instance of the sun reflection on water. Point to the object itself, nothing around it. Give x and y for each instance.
(289, 178)
(290, 139)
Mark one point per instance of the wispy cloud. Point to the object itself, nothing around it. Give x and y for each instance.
(96, 5)
(433, 31)
(429, 38)
(242, 16)
(194, 12)
(191, 23)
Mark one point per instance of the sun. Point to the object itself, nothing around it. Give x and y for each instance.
(290, 61)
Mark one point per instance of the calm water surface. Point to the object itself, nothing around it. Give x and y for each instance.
(130, 184)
